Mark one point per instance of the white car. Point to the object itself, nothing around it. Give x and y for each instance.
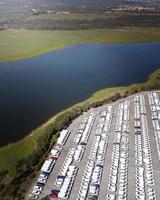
(43, 176)
(111, 197)
(42, 180)
(36, 187)
(33, 196)
(36, 192)
(93, 190)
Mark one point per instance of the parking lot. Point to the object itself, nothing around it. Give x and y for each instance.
(110, 152)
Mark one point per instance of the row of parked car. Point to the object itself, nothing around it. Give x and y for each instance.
(38, 187)
(64, 134)
(140, 183)
(98, 151)
(87, 130)
(45, 171)
(96, 181)
(79, 152)
(67, 162)
(118, 178)
(154, 101)
(82, 195)
(122, 189)
(68, 171)
(91, 181)
(138, 150)
(94, 148)
(68, 182)
(101, 134)
(107, 116)
(138, 137)
(147, 157)
(84, 130)
(144, 170)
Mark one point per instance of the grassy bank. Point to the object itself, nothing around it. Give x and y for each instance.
(19, 162)
(81, 21)
(18, 44)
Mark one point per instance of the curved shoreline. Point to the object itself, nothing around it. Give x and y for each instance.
(20, 161)
(25, 43)
(95, 99)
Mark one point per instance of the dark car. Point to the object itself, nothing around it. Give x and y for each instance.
(55, 191)
(45, 198)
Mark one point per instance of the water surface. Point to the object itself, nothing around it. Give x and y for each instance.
(32, 90)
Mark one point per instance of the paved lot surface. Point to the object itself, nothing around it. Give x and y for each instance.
(131, 155)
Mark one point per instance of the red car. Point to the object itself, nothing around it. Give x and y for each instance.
(53, 196)
(54, 158)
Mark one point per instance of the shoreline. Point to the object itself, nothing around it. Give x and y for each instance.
(109, 90)
(50, 50)
(20, 161)
(44, 41)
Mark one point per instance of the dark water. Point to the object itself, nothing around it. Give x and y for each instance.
(32, 90)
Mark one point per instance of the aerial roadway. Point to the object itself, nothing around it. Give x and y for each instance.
(109, 153)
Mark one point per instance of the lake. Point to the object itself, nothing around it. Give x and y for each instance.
(34, 89)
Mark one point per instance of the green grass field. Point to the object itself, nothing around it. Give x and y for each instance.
(76, 16)
(86, 16)
(18, 44)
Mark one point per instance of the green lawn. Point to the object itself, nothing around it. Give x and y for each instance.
(17, 44)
